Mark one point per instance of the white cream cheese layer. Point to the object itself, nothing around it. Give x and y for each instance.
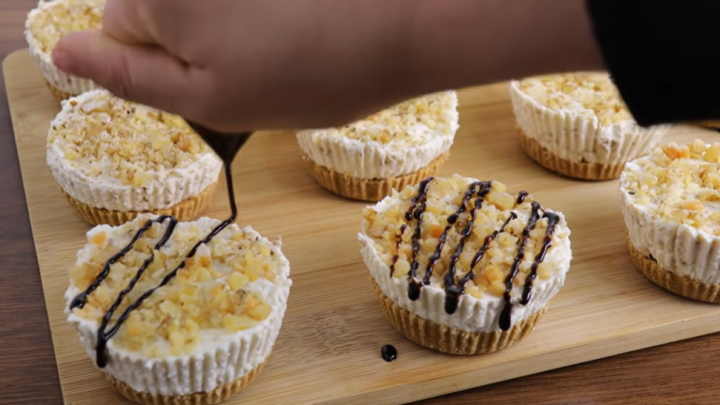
(409, 145)
(474, 314)
(163, 186)
(577, 134)
(220, 357)
(41, 40)
(677, 225)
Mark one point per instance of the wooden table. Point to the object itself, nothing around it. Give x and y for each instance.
(687, 372)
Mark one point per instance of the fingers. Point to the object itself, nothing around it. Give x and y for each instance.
(131, 22)
(141, 74)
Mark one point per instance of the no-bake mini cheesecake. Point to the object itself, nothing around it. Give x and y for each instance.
(670, 201)
(462, 266)
(46, 25)
(396, 147)
(191, 334)
(115, 159)
(577, 124)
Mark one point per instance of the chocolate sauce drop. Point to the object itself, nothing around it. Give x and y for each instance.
(521, 197)
(388, 353)
(226, 147)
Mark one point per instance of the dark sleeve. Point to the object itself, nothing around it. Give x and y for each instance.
(664, 56)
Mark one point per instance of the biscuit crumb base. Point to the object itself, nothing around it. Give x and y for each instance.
(216, 396)
(57, 93)
(186, 210)
(576, 170)
(681, 285)
(372, 190)
(451, 340)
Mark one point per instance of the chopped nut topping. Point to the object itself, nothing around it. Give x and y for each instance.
(104, 136)
(217, 291)
(383, 223)
(412, 122)
(52, 20)
(584, 93)
(681, 184)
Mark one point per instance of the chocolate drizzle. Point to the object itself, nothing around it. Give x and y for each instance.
(226, 147)
(553, 219)
(506, 313)
(521, 197)
(454, 290)
(417, 207)
(396, 256)
(452, 219)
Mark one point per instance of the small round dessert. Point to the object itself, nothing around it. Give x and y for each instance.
(463, 267)
(173, 316)
(670, 204)
(46, 25)
(115, 159)
(394, 148)
(577, 125)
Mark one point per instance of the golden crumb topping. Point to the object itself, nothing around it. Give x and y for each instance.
(53, 20)
(104, 136)
(412, 122)
(584, 93)
(681, 184)
(480, 227)
(222, 289)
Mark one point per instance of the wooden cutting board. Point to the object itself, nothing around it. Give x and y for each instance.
(328, 350)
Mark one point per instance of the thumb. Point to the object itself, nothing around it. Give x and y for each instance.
(142, 74)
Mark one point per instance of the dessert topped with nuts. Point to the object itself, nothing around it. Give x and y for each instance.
(121, 142)
(679, 184)
(577, 125)
(110, 154)
(584, 93)
(52, 20)
(395, 147)
(463, 244)
(410, 123)
(233, 283)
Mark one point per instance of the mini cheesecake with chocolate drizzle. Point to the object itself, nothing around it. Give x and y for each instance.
(461, 265)
(180, 312)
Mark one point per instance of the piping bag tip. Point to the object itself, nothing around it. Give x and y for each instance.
(225, 145)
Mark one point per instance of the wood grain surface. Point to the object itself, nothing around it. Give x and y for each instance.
(681, 372)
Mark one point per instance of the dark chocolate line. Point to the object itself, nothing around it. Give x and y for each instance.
(80, 300)
(459, 289)
(452, 219)
(452, 292)
(416, 211)
(398, 242)
(506, 313)
(553, 220)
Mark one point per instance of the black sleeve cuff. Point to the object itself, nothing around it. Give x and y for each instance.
(664, 56)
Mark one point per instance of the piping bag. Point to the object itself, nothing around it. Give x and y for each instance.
(225, 145)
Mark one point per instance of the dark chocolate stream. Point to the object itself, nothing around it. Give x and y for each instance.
(226, 147)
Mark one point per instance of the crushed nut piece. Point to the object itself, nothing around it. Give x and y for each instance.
(585, 93)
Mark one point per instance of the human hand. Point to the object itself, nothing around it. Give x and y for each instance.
(247, 65)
